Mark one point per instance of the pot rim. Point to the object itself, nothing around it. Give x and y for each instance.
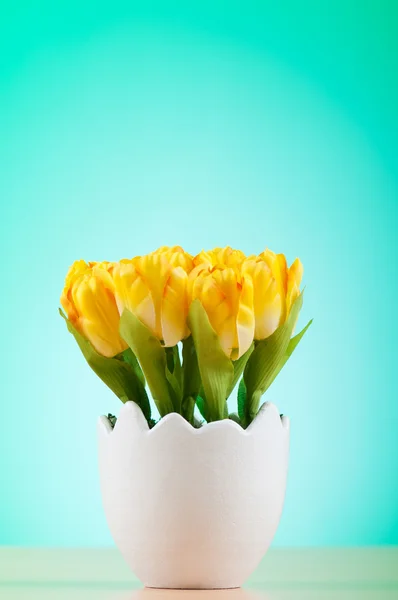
(267, 412)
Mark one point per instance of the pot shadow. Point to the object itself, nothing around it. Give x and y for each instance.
(231, 594)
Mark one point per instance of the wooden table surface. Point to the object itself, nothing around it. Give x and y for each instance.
(284, 574)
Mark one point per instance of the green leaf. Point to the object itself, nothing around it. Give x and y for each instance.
(175, 388)
(174, 362)
(117, 374)
(216, 369)
(266, 361)
(177, 365)
(294, 343)
(169, 359)
(200, 403)
(152, 358)
(188, 408)
(241, 399)
(130, 358)
(239, 366)
(235, 417)
(291, 348)
(190, 367)
(174, 375)
(191, 378)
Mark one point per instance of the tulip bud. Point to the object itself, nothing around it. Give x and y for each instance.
(154, 288)
(227, 298)
(275, 288)
(89, 302)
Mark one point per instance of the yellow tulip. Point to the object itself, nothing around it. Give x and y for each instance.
(220, 256)
(89, 302)
(275, 288)
(154, 288)
(227, 298)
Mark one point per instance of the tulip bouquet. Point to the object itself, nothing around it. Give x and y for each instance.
(188, 328)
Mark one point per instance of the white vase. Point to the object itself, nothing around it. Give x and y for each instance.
(193, 508)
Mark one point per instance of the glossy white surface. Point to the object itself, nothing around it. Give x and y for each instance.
(297, 574)
(193, 508)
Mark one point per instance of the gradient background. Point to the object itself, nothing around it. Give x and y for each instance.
(253, 124)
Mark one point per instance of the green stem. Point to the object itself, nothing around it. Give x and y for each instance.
(188, 408)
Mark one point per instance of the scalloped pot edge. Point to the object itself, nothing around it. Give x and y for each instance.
(132, 414)
(193, 508)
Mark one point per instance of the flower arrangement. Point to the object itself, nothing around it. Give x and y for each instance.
(188, 328)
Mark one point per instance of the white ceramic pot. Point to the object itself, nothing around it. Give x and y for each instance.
(193, 508)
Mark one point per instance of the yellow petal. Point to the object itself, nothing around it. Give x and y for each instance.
(277, 264)
(175, 308)
(227, 336)
(209, 291)
(228, 301)
(78, 268)
(133, 293)
(145, 311)
(245, 318)
(154, 288)
(295, 275)
(223, 257)
(283, 270)
(203, 258)
(267, 301)
(98, 316)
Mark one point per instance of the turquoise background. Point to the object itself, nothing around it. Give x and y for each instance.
(127, 126)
